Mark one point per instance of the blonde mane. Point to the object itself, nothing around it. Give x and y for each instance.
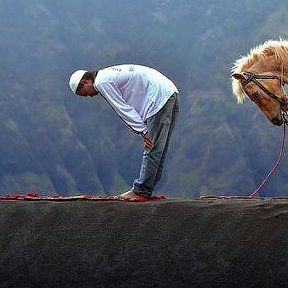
(278, 49)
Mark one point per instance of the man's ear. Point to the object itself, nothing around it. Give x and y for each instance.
(84, 81)
(238, 76)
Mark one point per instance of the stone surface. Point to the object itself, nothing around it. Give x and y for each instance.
(170, 243)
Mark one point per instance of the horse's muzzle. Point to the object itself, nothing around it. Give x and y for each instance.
(277, 121)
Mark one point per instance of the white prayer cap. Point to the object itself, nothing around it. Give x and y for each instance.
(75, 79)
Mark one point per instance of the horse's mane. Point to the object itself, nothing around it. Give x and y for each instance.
(278, 49)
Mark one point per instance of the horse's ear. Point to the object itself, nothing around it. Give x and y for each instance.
(238, 76)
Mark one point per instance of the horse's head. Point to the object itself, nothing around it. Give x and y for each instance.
(265, 91)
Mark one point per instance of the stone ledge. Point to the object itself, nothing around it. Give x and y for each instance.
(170, 243)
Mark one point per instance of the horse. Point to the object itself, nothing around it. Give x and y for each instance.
(261, 76)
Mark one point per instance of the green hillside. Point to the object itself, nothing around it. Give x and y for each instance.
(54, 142)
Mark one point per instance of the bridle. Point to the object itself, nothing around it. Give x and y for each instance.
(283, 104)
(255, 77)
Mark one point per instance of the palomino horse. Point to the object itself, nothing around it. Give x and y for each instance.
(261, 76)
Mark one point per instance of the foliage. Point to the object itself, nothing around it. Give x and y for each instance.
(54, 142)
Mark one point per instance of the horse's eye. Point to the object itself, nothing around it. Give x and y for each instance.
(255, 96)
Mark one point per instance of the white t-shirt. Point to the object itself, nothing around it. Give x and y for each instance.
(135, 92)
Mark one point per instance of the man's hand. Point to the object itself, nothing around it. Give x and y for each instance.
(148, 142)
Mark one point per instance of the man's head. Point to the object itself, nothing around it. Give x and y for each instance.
(82, 83)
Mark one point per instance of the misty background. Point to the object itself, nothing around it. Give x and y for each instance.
(55, 142)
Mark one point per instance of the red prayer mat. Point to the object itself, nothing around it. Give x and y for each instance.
(34, 196)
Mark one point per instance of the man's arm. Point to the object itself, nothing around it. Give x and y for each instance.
(125, 111)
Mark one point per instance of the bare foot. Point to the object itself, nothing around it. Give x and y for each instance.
(132, 196)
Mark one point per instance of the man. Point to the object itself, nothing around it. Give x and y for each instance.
(147, 102)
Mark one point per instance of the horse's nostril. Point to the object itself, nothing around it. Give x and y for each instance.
(277, 121)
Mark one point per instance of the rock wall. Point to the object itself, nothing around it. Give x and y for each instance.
(171, 243)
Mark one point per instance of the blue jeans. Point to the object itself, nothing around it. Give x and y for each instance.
(160, 127)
